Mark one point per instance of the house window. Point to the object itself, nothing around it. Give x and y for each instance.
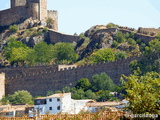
(9, 113)
(58, 107)
(38, 101)
(58, 99)
(50, 108)
(50, 100)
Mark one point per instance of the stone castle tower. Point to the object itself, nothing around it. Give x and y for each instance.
(2, 85)
(24, 9)
(37, 8)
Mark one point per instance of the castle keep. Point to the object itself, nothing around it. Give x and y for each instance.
(27, 9)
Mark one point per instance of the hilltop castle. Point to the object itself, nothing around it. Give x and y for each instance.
(22, 10)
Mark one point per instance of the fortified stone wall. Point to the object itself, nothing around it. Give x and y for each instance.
(38, 81)
(127, 28)
(60, 37)
(2, 85)
(14, 15)
(148, 30)
(144, 38)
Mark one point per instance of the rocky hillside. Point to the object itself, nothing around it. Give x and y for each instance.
(29, 37)
(115, 37)
(122, 41)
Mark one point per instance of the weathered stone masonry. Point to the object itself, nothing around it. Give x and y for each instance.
(24, 9)
(39, 80)
(60, 37)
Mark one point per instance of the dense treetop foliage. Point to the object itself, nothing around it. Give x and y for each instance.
(19, 97)
(64, 53)
(143, 93)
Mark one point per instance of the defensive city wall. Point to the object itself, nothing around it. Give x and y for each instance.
(38, 80)
(56, 36)
(138, 35)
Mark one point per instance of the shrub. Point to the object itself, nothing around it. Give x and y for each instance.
(45, 29)
(12, 38)
(37, 33)
(49, 21)
(102, 55)
(28, 32)
(111, 25)
(13, 28)
(120, 54)
(120, 37)
(115, 44)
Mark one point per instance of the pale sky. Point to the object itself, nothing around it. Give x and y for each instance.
(76, 16)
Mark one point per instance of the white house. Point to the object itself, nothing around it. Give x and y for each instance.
(60, 102)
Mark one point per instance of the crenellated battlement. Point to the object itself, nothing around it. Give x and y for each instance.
(38, 81)
(149, 31)
(127, 28)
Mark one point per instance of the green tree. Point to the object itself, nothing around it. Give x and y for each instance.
(143, 93)
(102, 82)
(120, 54)
(16, 51)
(19, 54)
(43, 53)
(66, 89)
(115, 44)
(90, 95)
(64, 53)
(78, 93)
(120, 37)
(102, 55)
(104, 95)
(31, 57)
(153, 50)
(19, 97)
(11, 45)
(83, 83)
(151, 59)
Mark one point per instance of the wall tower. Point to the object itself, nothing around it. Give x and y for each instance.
(37, 9)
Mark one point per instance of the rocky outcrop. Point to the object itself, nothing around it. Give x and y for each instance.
(31, 41)
(102, 38)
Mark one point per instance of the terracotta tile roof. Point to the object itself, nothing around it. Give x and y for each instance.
(10, 108)
(103, 104)
(54, 95)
